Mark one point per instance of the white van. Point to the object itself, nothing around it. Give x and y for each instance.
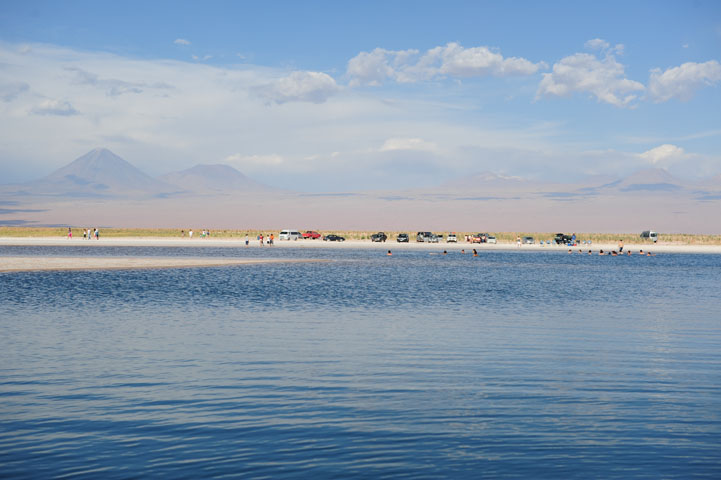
(650, 235)
(289, 235)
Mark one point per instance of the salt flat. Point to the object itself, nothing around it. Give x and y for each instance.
(389, 245)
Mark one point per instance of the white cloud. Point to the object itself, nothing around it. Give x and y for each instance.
(418, 144)
(452, 60)
(604, 78)
(457, 61)
(597, 44)
(683, 81)
(54, 107)
(663, 155)
(181, 41)
(314, 87)
(374, 68)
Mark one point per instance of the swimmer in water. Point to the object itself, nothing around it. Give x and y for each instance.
(600, 252)
(475, 254)
(389, 253)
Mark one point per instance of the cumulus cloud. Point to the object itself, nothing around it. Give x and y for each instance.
(452, 60)
(54, 107)
(663, 155)
(597, 44)
(604, 78)
(314, 87)
(374, 68)
(181, 41)
(683, 81)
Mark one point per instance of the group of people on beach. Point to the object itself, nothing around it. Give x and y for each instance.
(87, 233)
(269, 240)
(204, 233)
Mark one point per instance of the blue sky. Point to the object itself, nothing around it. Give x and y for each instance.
(360, 95)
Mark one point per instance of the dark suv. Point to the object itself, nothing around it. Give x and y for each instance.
(562, 239)
(379, 237)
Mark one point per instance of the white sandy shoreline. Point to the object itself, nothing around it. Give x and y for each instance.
(389, 245)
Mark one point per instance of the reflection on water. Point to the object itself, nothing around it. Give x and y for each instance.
(510, 365)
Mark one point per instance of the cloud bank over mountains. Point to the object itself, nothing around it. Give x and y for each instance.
(355, 127)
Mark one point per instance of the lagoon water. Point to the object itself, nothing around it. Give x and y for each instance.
(509, 365)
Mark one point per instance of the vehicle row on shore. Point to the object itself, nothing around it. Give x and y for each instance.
(430, 237)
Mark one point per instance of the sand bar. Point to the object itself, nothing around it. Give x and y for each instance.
(351, 244)
(32, 264)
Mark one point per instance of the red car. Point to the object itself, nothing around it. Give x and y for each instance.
(311, 234)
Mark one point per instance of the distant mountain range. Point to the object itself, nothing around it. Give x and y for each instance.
(213, 179)
(101, 173)
(100, 188)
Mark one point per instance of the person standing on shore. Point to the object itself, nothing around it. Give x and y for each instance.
(70, 233)
(190, 233)
(620, 246)
(272, 237)
(518, 241)
(246, 240)
(260, 237)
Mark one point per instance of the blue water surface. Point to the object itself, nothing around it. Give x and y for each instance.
(508, 365)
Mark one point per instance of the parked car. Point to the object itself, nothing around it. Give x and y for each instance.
(451, 238)
(650, 235)
(562, 239)
(422, 236)
(333, 238)
(433, 238)
(528, 241)
(311, 234)
(402, 238)
(479, 238)
(289, 235)
(379, 237)
(491, 239)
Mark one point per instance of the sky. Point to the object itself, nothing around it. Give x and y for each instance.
(340, 96)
